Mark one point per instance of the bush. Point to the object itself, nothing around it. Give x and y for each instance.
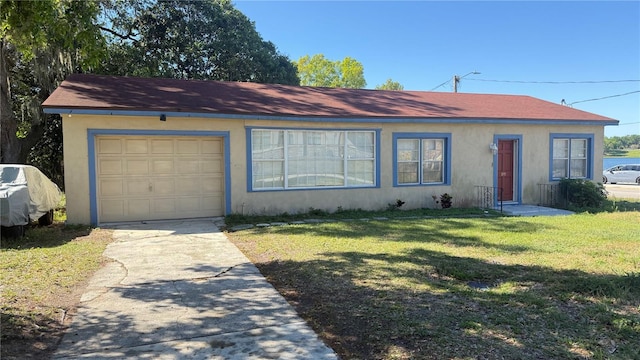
(445, 200)
(583, 193)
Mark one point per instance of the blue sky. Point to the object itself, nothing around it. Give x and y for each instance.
(422, 44)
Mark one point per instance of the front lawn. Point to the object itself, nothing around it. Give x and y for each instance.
(462, 287)
(42, 277)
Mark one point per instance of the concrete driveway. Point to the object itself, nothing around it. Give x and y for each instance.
(182, 290)
(623, 191)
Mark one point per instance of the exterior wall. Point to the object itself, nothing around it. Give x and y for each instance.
(472, 162)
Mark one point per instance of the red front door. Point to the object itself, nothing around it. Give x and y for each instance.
(505, 170)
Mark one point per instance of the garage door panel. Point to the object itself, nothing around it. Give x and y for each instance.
(212, 203)
(109, 167)
(188, 166)
(188, 204)
(211, 185)
(162, 146)
(164, 186)
(162, 166)
(138, 207)
(139, 187)
(211, 147)
(188, 186)
(137, 146)
(187, 147)
(111, 188)
(164, 206)
(158, 177)
(136, 167)
(109, 146)
(212, 166)
(112, 208)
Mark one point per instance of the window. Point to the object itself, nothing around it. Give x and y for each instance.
(571, 156)
(290, 159)
(421, 159)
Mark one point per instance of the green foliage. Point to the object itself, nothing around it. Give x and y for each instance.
(395, 206)
(616, 143)
(445, 200)
(581, 193)
(322, 72)
(192, 40)
(41, 42)
(390, 85)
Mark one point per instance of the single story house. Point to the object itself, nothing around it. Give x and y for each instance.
(144, 149)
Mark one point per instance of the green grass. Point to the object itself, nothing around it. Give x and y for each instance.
(340, 214)
(630, 153)
(549, 287)
(42, 276)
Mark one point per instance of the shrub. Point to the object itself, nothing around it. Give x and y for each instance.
(445, 200)
(583, 193)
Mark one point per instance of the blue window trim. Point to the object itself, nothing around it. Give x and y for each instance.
(518, 184)
(590, 152)
(250, 159)
(91, 136)
(422, 136)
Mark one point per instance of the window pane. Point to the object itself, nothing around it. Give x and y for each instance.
(268, 174)
(560, 168)
(360, 172)
(560, 149)
(578, 168)
(267, 144)
(408, 150)
(578, 148)
(432, 150)
(432, 172)
(360, 145)
(408, 173)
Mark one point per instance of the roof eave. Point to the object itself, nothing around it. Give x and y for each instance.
(353, 119)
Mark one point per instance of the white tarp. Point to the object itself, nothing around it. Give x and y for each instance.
(25, 193)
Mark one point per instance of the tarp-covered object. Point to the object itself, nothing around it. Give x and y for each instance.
(25, 193)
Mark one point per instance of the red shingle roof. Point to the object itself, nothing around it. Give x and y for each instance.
(93, 92)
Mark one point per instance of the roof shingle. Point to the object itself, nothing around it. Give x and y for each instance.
(95, 92)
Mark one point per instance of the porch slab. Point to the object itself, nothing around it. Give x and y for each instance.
(534, 210)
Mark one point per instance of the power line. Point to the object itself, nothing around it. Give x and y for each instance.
(554, 82)
(444, 83)
(605, 97)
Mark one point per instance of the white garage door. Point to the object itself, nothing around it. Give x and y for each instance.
(159, 177)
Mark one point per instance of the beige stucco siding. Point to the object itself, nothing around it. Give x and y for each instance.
(471, 161)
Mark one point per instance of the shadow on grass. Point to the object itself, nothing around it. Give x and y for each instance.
(418, 304)
(45, 236)
(427, 230)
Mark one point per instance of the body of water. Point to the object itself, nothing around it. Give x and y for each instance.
(609, 162)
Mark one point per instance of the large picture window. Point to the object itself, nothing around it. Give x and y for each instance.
(291, 159)
(421, 159)
(571, 156)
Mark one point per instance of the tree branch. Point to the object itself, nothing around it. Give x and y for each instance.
(128, 36)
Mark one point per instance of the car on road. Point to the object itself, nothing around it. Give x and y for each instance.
(26, 195)
(628, 173)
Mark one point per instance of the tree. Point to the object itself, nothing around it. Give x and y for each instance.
(390, 85)
(41, 42)
(191, 40)
(320, 71)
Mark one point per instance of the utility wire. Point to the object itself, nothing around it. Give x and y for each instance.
(554, 82)
(444, 83)
(605, 97)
